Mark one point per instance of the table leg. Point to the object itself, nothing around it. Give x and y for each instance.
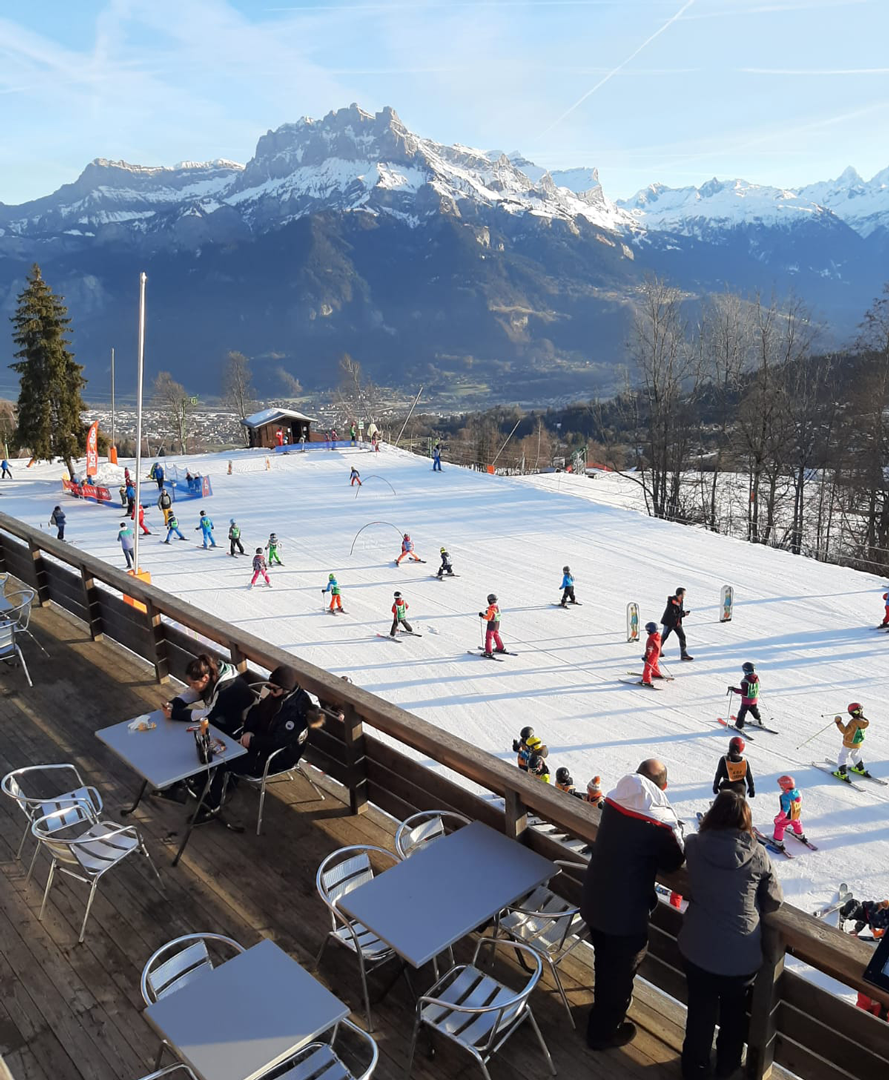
(194, 816)
(130, 809)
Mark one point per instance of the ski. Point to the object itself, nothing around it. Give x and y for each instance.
(873, 779)
(805, 843)
(576, 603)
(501, 652)
(388, 637)
(639, 682)
(410, 633)
(731, 727)
(756, 724)
(832, 772)
(338, 611)
(844, 895)
(482, 656)
(662, 678)
(441, 577)
(768, 842)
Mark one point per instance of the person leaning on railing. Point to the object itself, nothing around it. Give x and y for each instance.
(733, 883)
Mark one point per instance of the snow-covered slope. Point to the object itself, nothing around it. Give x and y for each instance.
(806, 625)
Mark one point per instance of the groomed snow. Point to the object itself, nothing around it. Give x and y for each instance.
(807, 626)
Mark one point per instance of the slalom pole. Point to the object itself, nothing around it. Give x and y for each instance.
(817, 733)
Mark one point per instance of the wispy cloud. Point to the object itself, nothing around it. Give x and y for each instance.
(814, 71)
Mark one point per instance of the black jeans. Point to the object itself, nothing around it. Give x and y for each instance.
(618, 957)
(712, 999)
(744, 710)
(235, 544)
(568, 594)
(679, 632)
(407, 626)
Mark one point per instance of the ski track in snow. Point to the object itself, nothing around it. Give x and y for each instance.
(808, 626)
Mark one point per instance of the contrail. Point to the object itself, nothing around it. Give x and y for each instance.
(620, 67)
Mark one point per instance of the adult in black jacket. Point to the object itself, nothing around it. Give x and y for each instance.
(672, 622)
(281, 720)
(217, 691)
(639, 837)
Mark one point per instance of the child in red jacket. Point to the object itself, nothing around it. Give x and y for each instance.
(652, 655)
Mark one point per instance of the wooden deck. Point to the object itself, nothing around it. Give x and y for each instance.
(69, 1012)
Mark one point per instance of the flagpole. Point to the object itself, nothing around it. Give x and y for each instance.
(143, 277)
(112, 399)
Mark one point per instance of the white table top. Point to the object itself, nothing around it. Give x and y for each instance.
(446, 890)
(247, 1015)
(166, 753)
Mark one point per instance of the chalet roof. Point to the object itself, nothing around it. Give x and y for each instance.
(271, 416)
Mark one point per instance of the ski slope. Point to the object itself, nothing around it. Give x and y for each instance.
(807, 626)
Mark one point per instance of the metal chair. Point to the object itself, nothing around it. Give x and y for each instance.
(90, 850)
(270, 775)
(179, 1071)
(320, 1061)
(338, 875)
(548, 924)
(21, 603)
(175, 964)
(23, 785)
(475, 1011)
(9, 649)
(423, 828)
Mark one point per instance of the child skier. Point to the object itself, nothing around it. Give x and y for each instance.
(272, 548)
(445, 567)
(565, 782)
(407, 548)
(57, 518)
(142, 525)
(334, 590)
(885, 621)
(567, 587)
(853, 737)
(259, 567)
(399, 615)
(733, 772)
(749, 691)
(234, 538)
(872, 913)
(125, 538)
(354, 477)
(206, 527)
(652, 655)
(789, 814)
(594, 792)
(173, 527)
(538, 768)
(527, 744)
(492, 634)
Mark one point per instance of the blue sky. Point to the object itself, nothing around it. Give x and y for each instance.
(775, 91)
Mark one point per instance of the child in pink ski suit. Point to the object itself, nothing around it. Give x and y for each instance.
(259, 567)
(789, 814)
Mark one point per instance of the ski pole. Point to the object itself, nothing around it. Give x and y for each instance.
(481, 631)
(817, 733)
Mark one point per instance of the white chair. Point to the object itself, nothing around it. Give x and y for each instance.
(320, 1061)
(338, 875)
(423, 828)
(9, 649)
(85, 848)
(175, 964)
(548, 924)
(21, 604)
(28, 787)
(475, 1011)
(271, 774)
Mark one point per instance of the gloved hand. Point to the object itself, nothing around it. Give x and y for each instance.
(715, 789)
(729, 688)
(751, 795)
(516, 746)
(481, 614)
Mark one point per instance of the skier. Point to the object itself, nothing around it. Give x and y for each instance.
(527, 744)
(206, 527)
(333, 438)
(436, 458)
(4, 465)
(127, 479)
(259, 567)
(445, 567)
(353, 434)
(538, 768)
(159, 476)
(871, 913)
(164, 504)
(57, 518)
(733, 772)
(145, 530)
(122, 491)
(234, 538)
(354, 477)
(789, 814)
(594, 792)
(565, 782)
(853, 737)
(334, 590)
(172, 527)
(749, 691)
(399, 615)
(272, 548)
(567, 586)
(885, 621)
(125, 537)
(131, 499)
(652, 655)
(492, 634)
(407, 548)
(672, 621)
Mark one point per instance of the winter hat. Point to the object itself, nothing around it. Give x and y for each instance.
(285, 677)
(593, 789)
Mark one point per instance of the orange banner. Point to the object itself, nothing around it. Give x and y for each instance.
(92, 449)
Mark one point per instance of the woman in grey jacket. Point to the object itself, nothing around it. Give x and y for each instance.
(732, 884)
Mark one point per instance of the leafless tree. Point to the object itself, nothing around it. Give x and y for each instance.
(356, 398)
(175, 404)
(237, 386)
(291, 385)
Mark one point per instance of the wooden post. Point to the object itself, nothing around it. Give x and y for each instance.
(516, 817)
(161, 659)
(356, 760)
(2, 556)
(93, 609)
(764, 1007)
(239, 660)
(41, 582)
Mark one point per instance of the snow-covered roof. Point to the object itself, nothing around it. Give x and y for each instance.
(269, 416)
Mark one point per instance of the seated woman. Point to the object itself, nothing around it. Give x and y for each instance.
(217, 691)
(733, 884)
(280, 720)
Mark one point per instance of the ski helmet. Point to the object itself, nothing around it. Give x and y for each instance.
(748, 668)
(331, 577)
(566, 569)
(526, 733)
(535, 763)
(273, 536)
(259, 551)
(736, 745)
(563, 776)
(854, 709)
(492, 599)
(444, 551)
(398, 596)
(407, 536)
(231, 521)
(650, 627)
(786, 783)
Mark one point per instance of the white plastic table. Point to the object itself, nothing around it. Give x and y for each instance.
(446, 890)
(165, 755)
(245, 1016)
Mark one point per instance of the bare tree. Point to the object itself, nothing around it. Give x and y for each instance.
(175, 404)
(356, 398)
(237, 386)
(291, 385)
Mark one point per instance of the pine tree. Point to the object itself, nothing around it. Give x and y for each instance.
(50, 405)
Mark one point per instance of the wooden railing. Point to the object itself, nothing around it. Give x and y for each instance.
(793, 1022)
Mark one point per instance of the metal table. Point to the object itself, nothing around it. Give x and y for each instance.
(165, 755)
(245, 1016)
(446, 890)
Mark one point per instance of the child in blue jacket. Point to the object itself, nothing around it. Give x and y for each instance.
(206, 527)
(567, 587)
